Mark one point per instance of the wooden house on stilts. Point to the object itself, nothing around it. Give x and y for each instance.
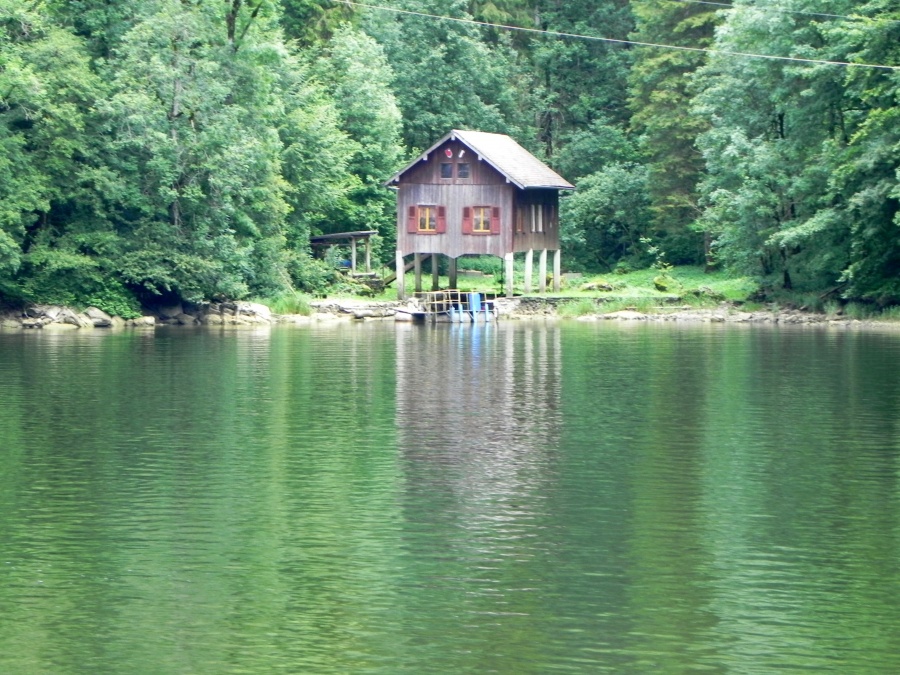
(478, 193)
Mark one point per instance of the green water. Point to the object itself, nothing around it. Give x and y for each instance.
(522, 498)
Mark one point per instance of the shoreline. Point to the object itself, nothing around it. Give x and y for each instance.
(55, 317)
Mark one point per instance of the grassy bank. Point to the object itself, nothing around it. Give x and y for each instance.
(646, 291)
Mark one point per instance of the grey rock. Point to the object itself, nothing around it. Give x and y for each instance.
(170, 312)
(142, 321)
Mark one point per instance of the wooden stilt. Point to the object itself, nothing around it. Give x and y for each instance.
(353, 255)
(509, 271)
(418, 268)
(542, 271)
(453, 272)
(435, 273)
(401, 276)
(557, 270)
(529, 267)
(368, 255)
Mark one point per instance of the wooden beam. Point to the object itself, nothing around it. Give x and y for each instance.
(435, 273)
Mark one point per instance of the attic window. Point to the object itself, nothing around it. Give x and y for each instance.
(446, 170)
(462, 170)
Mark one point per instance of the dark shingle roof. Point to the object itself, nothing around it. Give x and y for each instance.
(518, 165)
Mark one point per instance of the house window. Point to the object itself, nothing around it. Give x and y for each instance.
(446, 170)
(481, 220)
(537, 218)
(426, 219)
(462, 170)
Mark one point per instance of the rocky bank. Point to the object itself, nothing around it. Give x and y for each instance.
(55, 317)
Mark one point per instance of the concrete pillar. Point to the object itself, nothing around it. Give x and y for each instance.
(401, 276)
(352, 255)
(368, 255)
(435, 272)
(418, 269)
(557, 270)
(529, 267)
(452, 271)
(509, 271)
(542, 271)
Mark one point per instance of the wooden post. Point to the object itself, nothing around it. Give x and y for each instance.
(352, 255)
(508, 259)
(529, 267)
(401, 276)
(435, 273)
(557, 269)
(368, 255)
(418, 268)
(542, 270)
(453, 272)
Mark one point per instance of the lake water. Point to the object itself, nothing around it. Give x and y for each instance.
(514, 498)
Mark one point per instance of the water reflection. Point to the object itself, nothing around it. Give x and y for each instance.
(523, 498)
(478, 416)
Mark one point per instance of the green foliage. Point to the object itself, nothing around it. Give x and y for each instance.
(367, 112)
(167, 147)
(312, 22)
(581, 82)
(661, 100)
(606, 217)
(487, 264)
(446, 76)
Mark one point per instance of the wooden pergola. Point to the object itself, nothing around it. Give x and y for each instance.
(352, 237)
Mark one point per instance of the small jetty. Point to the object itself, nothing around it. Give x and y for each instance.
(451, 306)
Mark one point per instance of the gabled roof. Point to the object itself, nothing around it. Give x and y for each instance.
(516, 164)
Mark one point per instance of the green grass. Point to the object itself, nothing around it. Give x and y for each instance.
(691, 286)
(579, 307)
(688, 285)
(287, 303)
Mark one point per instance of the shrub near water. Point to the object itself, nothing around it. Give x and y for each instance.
(287, 303)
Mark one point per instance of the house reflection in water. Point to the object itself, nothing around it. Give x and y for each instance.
(478, 417)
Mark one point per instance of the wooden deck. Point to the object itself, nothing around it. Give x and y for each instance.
(453, 306)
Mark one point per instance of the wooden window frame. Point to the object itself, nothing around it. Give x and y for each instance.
(481, 220)
(468, 224)
(432, 213)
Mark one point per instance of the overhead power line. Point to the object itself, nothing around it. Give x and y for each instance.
(769, 8)
(576, 36)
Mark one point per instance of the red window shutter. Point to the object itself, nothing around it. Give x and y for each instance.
(467, 220)
(495, 220)
(441, 220)
(412, 224)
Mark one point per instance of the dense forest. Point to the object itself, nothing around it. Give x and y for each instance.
(189, 148)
